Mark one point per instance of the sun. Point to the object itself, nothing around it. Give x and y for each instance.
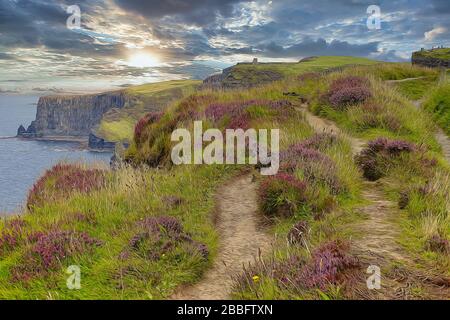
(142, 60)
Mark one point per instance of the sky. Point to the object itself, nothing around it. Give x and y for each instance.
(125, 42)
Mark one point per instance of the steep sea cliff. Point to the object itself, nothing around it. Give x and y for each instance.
(72, 116)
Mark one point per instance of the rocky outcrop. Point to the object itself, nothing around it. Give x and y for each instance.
(425, 58)
(100, 143)
(216, 81)
(243, 75)
(30, 132)
(21, 131)
(72, 116)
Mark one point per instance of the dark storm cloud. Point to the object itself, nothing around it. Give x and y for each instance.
(181, 32)
(199, 12)
(34, 23)
(440, 6)
(310, 47)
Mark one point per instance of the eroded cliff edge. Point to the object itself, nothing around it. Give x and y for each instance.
(102, 119)
(72, 116)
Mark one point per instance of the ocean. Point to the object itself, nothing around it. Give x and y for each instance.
(22, 162)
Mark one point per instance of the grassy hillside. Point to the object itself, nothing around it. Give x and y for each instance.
(442, 53)
(118, 124)
(437, 102)
(140, 233)
(309, 65)
(418, 88)
(247, 74)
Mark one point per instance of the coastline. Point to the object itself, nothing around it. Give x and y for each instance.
(83, 141)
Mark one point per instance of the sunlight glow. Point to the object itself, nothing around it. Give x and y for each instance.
(142, 60)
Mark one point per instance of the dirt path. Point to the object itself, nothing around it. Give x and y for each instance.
(379, 232)
(444, 141)
(241, 238)
(324, 125)
(441, 137)
(404, 80)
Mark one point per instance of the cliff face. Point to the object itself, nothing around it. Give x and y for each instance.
(432, 58)
(74, 115)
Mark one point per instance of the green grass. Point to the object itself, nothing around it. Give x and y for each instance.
(416, 89)
(118, 124)
(117, 130)
(135, 192)
(425, 215)
(151, 89)
(442, 53)
(131, 195)
(395, 71)
(437, 102)
(316, 64)
(410, 123)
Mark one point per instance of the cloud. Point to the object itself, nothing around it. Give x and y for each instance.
(198, 12)
(430, 35)
(311, 47)
(6, 56)
(36, 45)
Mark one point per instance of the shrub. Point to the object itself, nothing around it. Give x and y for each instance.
(62, 180)
(236, 111)
(329, 265)
(319, 141)
(217, 111)
(297, 153)
(438, 244)
(348, 91)
(379, 153)
(379, 120)
(281, 195)
(49, 250)
(239, 122)
(298, 233)
(348, 82)
(158, 236)
(315, 166)
(12, 234)
(148, 119)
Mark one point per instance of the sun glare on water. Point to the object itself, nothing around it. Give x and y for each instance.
(142, 60)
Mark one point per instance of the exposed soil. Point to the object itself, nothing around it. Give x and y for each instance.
(441, 137)
(404, 80)
(242, 238)
(324, 125)
(444, 141)
(378, 242)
